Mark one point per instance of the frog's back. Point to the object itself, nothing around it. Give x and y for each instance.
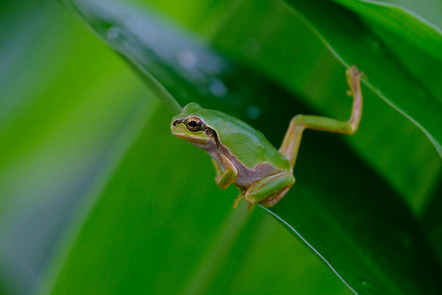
(246, 143)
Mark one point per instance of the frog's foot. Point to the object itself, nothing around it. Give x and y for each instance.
(235, 203)
(269, 190)
(353, 80)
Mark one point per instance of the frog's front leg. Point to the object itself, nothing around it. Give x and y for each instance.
(268, 190)
(299, 123)
(230, 174)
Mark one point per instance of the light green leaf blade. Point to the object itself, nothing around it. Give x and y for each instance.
(146, 235)
(375, 276)
(68, 110)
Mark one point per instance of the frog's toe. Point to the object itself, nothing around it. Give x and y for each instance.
(235, 203)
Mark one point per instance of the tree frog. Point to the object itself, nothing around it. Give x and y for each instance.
(242, 155)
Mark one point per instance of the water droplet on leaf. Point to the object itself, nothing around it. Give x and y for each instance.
(253, 112)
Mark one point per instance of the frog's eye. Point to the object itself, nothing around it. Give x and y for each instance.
(194, 124)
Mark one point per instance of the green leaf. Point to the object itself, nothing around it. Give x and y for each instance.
(401, 22)
(369, 41)
(283, 46)
(162, 226)
(432, 219)
(68, 110)
(330, 209)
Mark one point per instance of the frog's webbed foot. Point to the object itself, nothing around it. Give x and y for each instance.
(353, 80)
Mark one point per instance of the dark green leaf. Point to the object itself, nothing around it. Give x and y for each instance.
(344, 211)
(367, 44)
(402, 23)
(432, 219)
(283, 46)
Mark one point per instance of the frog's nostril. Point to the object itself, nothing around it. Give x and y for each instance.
(176, 122)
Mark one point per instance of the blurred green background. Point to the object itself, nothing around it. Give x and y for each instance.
(97, 197)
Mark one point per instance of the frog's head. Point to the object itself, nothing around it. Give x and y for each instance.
(191, 126)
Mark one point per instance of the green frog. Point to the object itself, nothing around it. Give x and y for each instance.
(242, 155)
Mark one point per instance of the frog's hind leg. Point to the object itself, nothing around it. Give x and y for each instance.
(269, 190)
(272, 200)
